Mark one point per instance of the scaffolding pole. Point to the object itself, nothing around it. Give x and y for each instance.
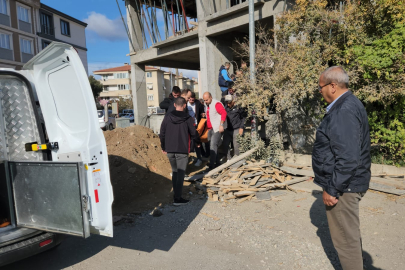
(252, 44)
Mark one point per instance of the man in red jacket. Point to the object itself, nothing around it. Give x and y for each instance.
(176, 132)
(216, 117)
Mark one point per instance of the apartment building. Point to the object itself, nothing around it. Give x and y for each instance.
(27, 27)
(155, 86)
(116, 82)
(54, 25)
(170, 81)
(18, 32)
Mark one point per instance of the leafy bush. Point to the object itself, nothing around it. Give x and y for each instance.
(269, 153)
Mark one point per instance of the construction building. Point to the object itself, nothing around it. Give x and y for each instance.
(199, 35)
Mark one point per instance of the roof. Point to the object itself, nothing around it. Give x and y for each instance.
(115, 69)
(124, 68)
(52, 10)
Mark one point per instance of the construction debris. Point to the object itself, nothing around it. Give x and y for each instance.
(247, 182)
(243, 180)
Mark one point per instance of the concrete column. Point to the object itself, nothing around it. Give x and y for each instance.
(138, 86)
(134, 27)
(213, 53)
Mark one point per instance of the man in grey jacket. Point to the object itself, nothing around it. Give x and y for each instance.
(341, 162)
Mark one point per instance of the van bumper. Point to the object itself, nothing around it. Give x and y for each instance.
(28, 247)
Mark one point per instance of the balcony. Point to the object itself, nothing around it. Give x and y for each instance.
(47, 30)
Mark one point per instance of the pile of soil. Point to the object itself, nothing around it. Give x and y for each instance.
(140, 172)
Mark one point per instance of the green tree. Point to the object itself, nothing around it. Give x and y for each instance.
(366, 37)
(96, 86)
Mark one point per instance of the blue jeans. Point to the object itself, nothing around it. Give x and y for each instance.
(223, 89)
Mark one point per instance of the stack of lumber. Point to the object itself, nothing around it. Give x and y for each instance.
(245, 182)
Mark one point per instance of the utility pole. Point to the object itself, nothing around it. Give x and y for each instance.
(252, 44)
(177, 77)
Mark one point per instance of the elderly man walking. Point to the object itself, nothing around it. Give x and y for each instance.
(341, 162)
(216, 117)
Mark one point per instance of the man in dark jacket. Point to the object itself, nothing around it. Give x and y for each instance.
(175, 133)
(168, 103)
(196, 110)
(341, 162)
(235, 118)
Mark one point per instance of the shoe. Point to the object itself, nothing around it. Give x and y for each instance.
(198, 163)
(181, 201)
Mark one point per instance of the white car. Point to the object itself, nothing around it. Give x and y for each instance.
(101, 121)
(54, 171)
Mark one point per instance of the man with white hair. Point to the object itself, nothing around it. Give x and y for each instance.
(341, 161)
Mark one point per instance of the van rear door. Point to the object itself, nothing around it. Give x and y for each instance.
(70, 117)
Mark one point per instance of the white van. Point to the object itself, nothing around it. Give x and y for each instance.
(54, 172)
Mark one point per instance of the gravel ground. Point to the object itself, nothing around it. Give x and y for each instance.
(289, 231)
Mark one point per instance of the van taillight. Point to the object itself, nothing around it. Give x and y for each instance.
(45, 243)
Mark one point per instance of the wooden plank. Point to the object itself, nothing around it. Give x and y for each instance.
(210, 216)
(246, 198)
(250, 175)
(243, 193)
(389, 182)
(294, 171)
(231, 162)
(237, 164)
(386, 189)
(286, 183)
(254, 181)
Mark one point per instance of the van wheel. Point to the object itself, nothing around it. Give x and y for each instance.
(110, 127)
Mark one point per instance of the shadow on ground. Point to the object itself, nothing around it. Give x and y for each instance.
(319, 219)
(144, 190)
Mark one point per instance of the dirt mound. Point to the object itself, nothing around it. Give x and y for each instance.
(140, 173)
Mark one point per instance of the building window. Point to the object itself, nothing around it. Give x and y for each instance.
(26, 46)
(150, 97)
(120, 75)
(4, 7)
(149, 74)
(104, 77)
(5, 41)
(46, 24)
(149, 86)
(23, 14)
(45, 43)
(64, 28)
(123, 87)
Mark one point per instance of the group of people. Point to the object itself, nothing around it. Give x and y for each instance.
(341, 154)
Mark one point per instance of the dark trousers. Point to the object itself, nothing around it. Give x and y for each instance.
(344, 227)
(197, 150)
(215, 141)
(179, 166)
(231, 136)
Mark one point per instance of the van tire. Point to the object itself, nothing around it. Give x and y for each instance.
(111, 127)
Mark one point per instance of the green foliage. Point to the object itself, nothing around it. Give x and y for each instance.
(366, 38)
(387, 128)
(96, 86)
(124, 104)
(270, 153)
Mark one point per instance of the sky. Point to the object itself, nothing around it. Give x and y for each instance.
(106, 38)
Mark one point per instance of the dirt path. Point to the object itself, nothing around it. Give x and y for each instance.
(288, 232)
